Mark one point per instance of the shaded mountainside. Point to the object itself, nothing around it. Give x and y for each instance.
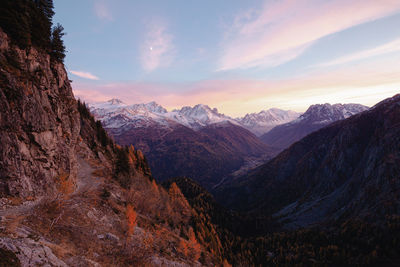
(346, 170)
(207, 155)
(236, 231)
(255, 240)
(69, 196)
(316, 117)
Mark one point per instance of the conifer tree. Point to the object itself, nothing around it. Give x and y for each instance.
(41, 17)
(15, 21)
(57, 44)
(46, 6)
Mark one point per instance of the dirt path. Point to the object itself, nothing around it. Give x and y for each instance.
(85, 182)
(24, 208)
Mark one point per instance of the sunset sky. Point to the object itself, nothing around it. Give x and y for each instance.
(238, 56)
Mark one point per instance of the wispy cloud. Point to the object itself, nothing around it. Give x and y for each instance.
(90, 96)
(102, 10)
(85, 75)
(393, 46)
(366, 84)
(157, 49)
(282, 30)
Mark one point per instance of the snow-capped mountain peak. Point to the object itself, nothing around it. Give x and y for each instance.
(316, 117)
(262, 122)
(115, 101)
(114, 114)
(323, 113)
(199, 116)
(152, 107)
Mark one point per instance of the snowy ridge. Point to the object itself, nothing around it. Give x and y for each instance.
(199, 116)
(262, 122)
(116, 114)
(327, 113)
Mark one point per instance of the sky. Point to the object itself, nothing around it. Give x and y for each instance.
(238, 56)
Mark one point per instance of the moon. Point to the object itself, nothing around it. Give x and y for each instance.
(151, 48)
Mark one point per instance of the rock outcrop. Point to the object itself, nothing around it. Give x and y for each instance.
(39, 122)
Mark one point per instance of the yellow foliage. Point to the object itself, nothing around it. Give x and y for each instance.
(195, 248)
(131, 217)
(65, 185)
(131, 155)
(226, 263)
(183, 247)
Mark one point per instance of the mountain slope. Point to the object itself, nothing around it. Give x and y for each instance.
(195, 141)
(316, 117)
(207, 155)
(262, 122)
(348, 169)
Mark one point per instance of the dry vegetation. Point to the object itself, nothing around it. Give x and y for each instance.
(106, 224)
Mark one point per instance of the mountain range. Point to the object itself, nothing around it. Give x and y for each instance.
(316, 117)
(197, 141)
(141, 115)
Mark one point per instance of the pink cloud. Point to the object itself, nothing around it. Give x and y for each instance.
(85, 75)
(157, 49)
(282, 30)
(366, 84)
(390, 47)
(102, 10)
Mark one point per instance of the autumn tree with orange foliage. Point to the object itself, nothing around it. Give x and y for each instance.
(225, 263)
(190, 248)
(181, 210)
(194, 246)
(131, 217)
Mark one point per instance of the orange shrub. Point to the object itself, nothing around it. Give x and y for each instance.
(131, 217)
(65, 185)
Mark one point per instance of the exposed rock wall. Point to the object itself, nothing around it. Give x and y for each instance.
(39, 122)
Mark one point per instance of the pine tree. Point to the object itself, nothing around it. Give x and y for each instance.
(28, 22)
(15, 21)
(46, 6)
(57, 44)
(41, 17)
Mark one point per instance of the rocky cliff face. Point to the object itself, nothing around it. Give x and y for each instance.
(39, 122)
